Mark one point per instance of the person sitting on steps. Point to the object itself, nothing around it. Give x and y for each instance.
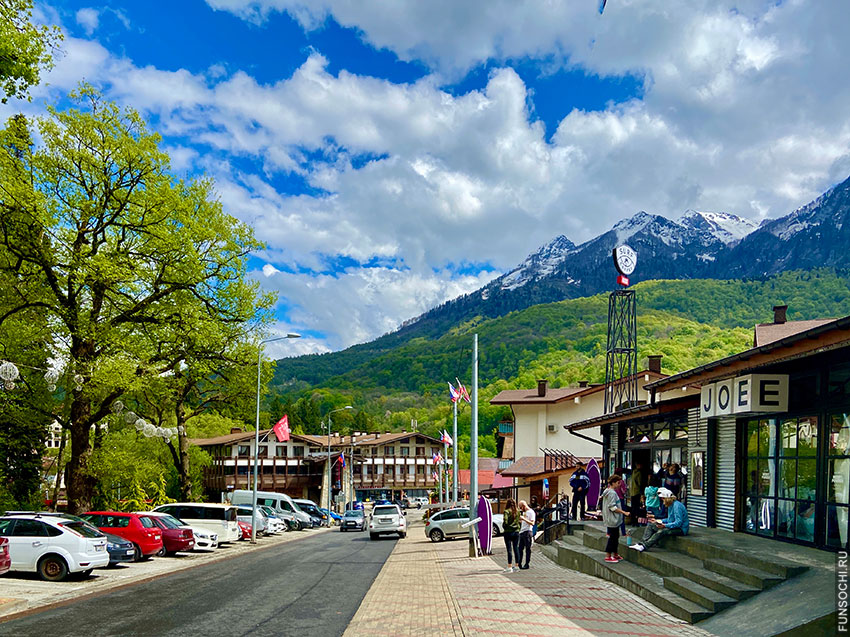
(676, 522)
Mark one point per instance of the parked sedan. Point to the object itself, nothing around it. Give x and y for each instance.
(311, 508)
(174, 537)
(53, 546)
(353, 521)
(336, 518)
(245, 527)
(141, 530)
(119, 549)
(205, 540)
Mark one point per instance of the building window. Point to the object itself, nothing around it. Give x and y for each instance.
(420, 451)
(405, 451)
(298, 451)
(420, 469)
(280, 451)
(263, 451)
(435, 450)
(838, 481)
(374, 451)
(244, 450)
(411, 469)
(389, 451)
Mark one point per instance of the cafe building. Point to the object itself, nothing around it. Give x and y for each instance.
(763, 436)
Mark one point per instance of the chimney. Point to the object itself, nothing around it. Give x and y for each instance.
(655, 363)
(583, 383)
(236, 430)
(779, 314)
(541, 387)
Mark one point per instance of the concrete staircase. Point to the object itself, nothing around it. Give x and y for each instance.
(690, 578)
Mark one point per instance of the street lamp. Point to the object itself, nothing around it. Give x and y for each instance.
(257, 428)
(330, 474)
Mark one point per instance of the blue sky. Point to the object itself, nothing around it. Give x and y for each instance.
(395, 155)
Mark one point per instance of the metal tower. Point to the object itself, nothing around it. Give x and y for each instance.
(621, 354)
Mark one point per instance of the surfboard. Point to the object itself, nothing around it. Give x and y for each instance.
(485, 526)
(595, 488)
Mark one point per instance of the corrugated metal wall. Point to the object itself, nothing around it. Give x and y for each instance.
(727, 475)
(697, 441)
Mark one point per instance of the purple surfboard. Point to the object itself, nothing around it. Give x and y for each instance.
(595, 489)
(485, 526)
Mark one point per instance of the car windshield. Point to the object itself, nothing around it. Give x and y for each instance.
(385, 510)
(169, 523)
(354, 514)
(83, 528)
(176, 522)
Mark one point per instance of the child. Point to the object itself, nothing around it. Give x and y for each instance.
(653, 503)
(612, 516)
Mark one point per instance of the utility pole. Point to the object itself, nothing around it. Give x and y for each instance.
(473, 450)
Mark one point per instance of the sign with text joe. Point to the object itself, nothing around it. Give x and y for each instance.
(753, 393)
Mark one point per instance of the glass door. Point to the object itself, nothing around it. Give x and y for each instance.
(838, 481)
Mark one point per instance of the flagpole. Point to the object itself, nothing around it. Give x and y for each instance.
(454, 454)
(473, 449)
(446, 473)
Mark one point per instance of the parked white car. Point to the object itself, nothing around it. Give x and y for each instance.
(205, 540)
(53, 546)
(387, 518)
(280, 502)
(216, 518)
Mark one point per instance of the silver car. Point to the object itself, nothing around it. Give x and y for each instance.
(387, 518)
(449, 523)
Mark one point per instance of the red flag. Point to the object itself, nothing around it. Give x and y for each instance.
(281, 429)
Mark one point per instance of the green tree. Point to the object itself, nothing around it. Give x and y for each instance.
(124, 249)
(25, 49)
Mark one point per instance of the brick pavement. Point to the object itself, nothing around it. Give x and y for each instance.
(436, 589)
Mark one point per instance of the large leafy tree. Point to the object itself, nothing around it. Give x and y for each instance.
(126, 252)
(25, 49)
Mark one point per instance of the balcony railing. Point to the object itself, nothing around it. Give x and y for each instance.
(506, 427)
(505, 463)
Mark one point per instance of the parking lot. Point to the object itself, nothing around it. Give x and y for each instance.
(23, 592)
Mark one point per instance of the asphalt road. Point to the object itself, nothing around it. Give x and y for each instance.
(309, 587)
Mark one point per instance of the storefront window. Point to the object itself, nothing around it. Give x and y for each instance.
(838, 486)
(839, 381)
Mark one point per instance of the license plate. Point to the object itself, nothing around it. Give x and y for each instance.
(129, 551)
(100, 548)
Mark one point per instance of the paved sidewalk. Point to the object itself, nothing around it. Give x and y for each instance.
(436, 589)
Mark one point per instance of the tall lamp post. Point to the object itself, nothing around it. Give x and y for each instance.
(330, 473)
(257, 428)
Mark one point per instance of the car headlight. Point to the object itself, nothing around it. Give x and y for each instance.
(110, 546)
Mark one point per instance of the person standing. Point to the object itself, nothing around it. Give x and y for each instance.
(510, 524)
(674, 481)
(580, 484)
(676, 522)
(637, 483)
(612, 517)
(527, 521)
(653, 502)
(621, 490)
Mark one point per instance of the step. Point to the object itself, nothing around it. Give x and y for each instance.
(746, 574)
(704, 550)
(632, 577)
(673, 564)
(702, 595)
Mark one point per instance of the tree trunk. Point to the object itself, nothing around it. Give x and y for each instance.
(183, 468)
(81, 484)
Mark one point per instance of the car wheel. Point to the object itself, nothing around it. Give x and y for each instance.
(373, 536)
(496, 531)
(137, 553)
(436, 535)
(402, 534)
(161, 552)
(52, 568)
(86, 573)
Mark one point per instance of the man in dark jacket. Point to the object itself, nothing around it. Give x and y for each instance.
(579, 483)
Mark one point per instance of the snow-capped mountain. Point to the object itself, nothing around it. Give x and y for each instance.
(697, 245)
(539, 264)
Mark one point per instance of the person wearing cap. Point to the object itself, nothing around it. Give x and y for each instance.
(676, 522)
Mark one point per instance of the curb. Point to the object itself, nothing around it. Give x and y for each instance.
(148, 578)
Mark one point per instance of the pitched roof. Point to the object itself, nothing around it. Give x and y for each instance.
(239, 436)
(486, 480)
(526, 466)
(766, 333)
(530, 397)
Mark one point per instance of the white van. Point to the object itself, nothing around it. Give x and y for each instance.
(217, 518)
(277, 501)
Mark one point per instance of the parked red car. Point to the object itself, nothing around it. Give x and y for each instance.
(246, 530)
(5, 558)
(141, 530)
(174, 537)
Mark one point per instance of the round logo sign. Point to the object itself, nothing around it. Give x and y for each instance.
(625, 260)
